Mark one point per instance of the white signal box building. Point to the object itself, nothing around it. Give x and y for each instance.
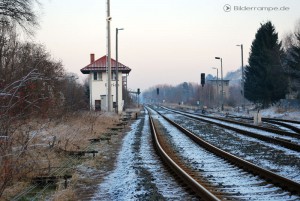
(98, 79)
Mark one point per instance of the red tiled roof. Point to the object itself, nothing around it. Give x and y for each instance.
(100, 66)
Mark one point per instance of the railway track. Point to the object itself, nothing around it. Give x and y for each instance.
(286, 139)
(250, 125)
(289, 124)
(217, 186)
(178, 169)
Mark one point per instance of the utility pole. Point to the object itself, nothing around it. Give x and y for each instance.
(109, 98)
(217, 85)
(243, 84)
(117, 72)
(222, 93)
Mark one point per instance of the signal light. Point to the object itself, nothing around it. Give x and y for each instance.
(202, 79)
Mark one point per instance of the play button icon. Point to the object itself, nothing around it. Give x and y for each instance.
(227, 8)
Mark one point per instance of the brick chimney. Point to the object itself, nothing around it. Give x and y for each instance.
(92, 56)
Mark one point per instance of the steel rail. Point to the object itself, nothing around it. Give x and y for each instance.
(284, 124)
(202, 192)
(265, 118)
(281, 122)
(280, 132)
(272, 177)
(282, 142)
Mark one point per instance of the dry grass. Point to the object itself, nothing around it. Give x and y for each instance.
(64, 195)
(13, 190)
(69, 134)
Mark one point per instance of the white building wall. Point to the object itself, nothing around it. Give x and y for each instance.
(98, 89)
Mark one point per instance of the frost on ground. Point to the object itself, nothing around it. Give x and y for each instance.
(139, 174)
(238, 183)
(50, 141)
(275, 158)
(275, 112)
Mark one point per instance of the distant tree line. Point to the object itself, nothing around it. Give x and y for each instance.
(193, 94)
(185, 92)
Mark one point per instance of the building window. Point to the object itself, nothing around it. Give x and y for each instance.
(113, 75)
(97, 76)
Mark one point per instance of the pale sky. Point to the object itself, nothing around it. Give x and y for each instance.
(163, 41)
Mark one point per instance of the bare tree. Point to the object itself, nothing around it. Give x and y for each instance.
(32, 84)
(18, 12)
(291, 43)
(74, 93)
(14, 107)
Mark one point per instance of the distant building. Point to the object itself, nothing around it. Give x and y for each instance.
(217, 87)
(97, 71)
